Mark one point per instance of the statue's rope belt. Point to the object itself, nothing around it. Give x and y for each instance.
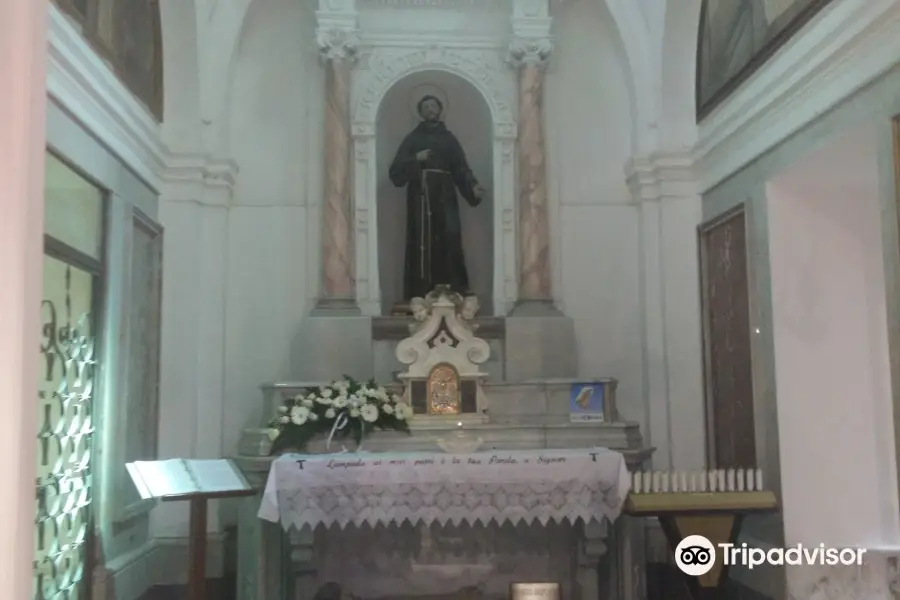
(426, 210)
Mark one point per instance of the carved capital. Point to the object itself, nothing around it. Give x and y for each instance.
(529, 51)
(337, 44)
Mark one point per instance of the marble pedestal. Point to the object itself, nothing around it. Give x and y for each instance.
(331, 344)
(539, 343)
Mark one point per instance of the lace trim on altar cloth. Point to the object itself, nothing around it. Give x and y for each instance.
(564, 501)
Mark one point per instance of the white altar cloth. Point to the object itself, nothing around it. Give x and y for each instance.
(389, 488)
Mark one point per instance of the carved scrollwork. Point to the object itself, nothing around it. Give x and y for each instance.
(337, 44)
(482, 68)
(442, 334)
(505, 131)
(529, 51)
(508, 150)
(508, 223)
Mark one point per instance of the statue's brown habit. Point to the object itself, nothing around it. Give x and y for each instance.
(434, 253)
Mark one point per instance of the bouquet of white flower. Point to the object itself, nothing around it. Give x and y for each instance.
(344, 408)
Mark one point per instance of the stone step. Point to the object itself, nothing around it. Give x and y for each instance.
(622, 437)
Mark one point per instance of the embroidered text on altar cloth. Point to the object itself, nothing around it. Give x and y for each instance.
(510, 486)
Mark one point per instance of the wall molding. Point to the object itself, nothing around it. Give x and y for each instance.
(85, 85)
(844, 48)
(658, 176)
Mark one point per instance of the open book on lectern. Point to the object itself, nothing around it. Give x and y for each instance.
(186, 477)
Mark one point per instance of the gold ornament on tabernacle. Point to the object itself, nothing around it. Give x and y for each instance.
(443, 391)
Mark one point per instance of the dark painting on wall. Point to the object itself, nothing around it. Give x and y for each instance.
(138, 46)
(725, 293)
(737, 36)
(127, 33)
(144, 322)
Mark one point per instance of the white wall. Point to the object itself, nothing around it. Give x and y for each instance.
(275, 132)
(468, 116)
(595, 227)
(832, 375)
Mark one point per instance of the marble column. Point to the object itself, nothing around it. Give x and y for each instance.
(23, 58)
(540, 340)
(338, 49)
(530, 57)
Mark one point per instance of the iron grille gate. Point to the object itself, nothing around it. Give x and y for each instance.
(66, 395)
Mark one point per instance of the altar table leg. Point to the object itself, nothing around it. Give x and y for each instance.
(628, 563)
(303, 563)
(591, 549)
(197, 550)
(262, 555)
(718, 528)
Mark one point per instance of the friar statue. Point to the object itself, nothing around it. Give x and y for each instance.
(432, 165)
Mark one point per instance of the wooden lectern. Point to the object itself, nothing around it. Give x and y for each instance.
(196, 481)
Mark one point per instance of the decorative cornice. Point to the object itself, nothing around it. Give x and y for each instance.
(445, 4)
(81, 82)
(846, 47)
(531, 19)
(195, 178)
(661, 176)
(382, 39)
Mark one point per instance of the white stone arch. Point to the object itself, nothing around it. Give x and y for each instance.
(181, 74)
(639, 52)
(678, 72)
(487, 72)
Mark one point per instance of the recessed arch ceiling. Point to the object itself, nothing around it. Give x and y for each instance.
(204, 37)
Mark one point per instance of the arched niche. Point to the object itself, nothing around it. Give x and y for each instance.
(469, 72)
(468, 116)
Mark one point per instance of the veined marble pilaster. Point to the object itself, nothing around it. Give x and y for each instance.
(530, 57)
(338, 50)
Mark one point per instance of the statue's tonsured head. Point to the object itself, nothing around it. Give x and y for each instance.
(430, 108)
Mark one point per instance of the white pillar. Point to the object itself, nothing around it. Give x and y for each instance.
(23, 56)
(664, 189)
(193, 209)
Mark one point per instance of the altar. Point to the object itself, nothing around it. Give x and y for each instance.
(482, 484)
(428, 525)
(452, 309)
